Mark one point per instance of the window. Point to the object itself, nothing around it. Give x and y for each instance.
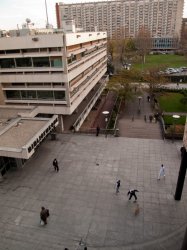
(30, 94)
(45, 95)
(13, 94)
(56, 61)
(23, 62)
(41, 62)
(30, 50)
(7, 63)
(59, 95)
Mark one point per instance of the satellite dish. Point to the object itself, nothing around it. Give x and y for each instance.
(28, 20)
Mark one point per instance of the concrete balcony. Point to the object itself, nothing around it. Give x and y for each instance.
(57, 77)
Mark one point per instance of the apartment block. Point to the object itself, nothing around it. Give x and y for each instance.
(124, 18)
(53, 71)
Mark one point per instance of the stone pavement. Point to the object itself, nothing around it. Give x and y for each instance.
(132, 124)
(82, 200)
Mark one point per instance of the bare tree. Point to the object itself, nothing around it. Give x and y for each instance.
(143, 42)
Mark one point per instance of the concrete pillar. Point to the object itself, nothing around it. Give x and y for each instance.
(19, 163)
(60, 127)
(182, 174)
(184, 244)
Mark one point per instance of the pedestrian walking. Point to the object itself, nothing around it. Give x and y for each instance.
(97, 130)
(44, 214)
(55, 164)
(145, 118)
(118, 184)
(150, 118)
(161, 172)
(132, 192)
(148, 98)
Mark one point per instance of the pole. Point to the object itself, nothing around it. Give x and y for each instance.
(181, 176)
(47, 25)
(184, 244)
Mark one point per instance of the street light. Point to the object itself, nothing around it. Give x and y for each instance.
(106, 113)
(175, 117)
(139, 101)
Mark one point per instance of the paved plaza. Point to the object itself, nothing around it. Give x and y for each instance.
(82, 201)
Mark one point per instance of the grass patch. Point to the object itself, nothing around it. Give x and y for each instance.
(170, 61)
(170, 102)
(169, 120)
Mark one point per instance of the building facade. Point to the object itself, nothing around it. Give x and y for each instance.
(124, 18)
(53, 72)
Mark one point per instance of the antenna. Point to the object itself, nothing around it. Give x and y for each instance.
(47, 25)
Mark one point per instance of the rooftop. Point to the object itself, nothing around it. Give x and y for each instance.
(20, 132)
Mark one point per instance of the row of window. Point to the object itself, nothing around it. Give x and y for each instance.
(55, 62)
(35, 95)
(35, 84)
(32, 50)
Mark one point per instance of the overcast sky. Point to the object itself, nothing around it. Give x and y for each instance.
(14, 12)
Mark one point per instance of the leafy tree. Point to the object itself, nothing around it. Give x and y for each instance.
(154, 79)
(121, 83)
(184, 98)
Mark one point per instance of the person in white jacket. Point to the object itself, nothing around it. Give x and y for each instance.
(161, 172)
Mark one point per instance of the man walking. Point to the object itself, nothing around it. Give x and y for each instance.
(161, 172)
(44, 214)
(97, 130)
(118, 183)
(55, 164)
(132, 192)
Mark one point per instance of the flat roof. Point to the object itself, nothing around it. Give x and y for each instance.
(21, 132)
(7, 112)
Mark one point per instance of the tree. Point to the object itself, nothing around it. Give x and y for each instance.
(154, 79)
(143, 42)
(121, 83)
(184, 98)
(120, 51)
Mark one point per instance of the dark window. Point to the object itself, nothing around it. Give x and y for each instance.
(23, 62)
(45, 95)
(12, 51)
(30, 94)
(13, 94)
(41, 61)
(7, 63)
(59, 95)
(30, 50)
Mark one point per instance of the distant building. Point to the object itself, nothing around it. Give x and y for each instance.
(184, 35)
(124, 18)
(52, 70)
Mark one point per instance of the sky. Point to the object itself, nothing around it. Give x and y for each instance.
(13, 13)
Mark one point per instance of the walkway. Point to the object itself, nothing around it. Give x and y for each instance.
(132, 124)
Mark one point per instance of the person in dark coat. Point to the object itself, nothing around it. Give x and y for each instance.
(118, 183)
(44, 214)
(97, 130)
(55, 164)
(132, 192)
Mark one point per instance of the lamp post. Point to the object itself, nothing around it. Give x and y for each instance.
(139, 101)
(106, 113)
(175, 117)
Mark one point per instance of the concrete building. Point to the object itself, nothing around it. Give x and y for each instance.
(52, 70)
(21, 135)
(124, 18)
